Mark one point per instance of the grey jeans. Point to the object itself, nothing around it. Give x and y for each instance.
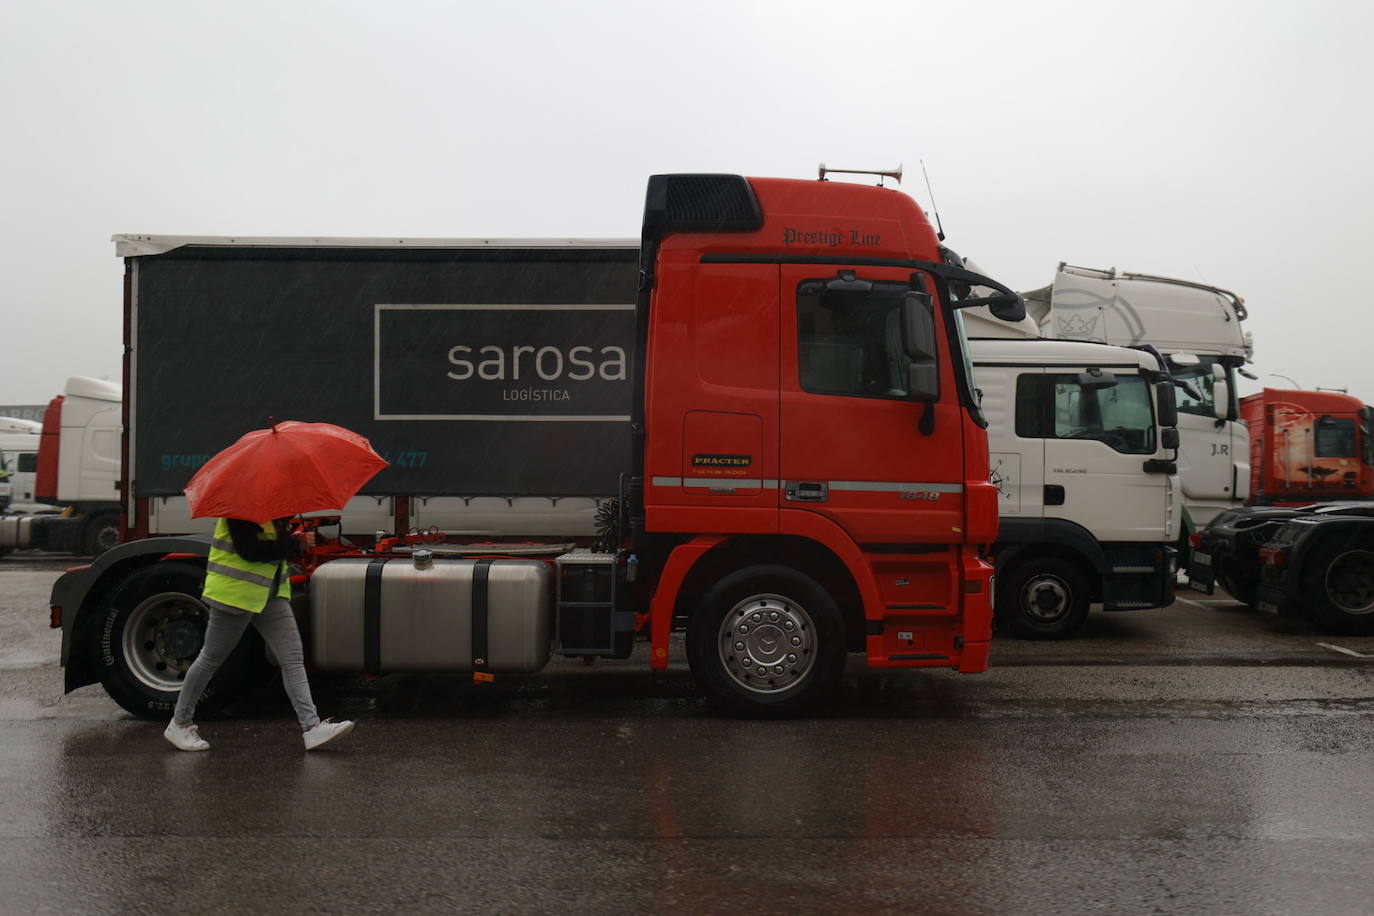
(277, 626)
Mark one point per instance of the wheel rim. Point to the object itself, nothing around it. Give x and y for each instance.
(1350, 582)
(106, 538)
(1046, 599)
(162, 637)
(767, 644)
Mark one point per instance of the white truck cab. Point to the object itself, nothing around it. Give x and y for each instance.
(19, 453)
(1198, 329)
(1083, 453)
(76, 471)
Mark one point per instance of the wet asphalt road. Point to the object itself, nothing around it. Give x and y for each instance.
(1200, 759)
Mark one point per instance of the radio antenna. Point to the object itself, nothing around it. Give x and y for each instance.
(939, 230)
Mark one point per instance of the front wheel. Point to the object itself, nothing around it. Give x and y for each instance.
(152, 631)
(1341, 589)
(766, 641)
(1043, 598)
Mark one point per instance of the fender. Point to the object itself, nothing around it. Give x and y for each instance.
(1016, 534)
(831, 536)
(1311, 535)
(78, 590)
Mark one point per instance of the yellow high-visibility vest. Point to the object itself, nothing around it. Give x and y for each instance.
(231, 580)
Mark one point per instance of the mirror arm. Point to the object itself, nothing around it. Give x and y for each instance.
(927, 424)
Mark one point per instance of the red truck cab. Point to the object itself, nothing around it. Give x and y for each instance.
(1307, 447)
(809, 411)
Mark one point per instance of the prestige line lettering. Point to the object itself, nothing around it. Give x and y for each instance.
(831, 238)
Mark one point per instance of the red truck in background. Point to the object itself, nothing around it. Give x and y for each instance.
(778, 432)
(1308, 447)
(1311, 465)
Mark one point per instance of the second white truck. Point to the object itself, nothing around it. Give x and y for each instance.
(1083, 448)
(1198, 328)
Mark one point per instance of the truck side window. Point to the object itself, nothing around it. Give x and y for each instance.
(1030, 407)
(1057, 407)
(850, 340)
(28, 462)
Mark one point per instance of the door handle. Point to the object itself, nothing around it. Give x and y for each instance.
(807, 491)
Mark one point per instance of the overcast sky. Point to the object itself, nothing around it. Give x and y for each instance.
(1228, 142)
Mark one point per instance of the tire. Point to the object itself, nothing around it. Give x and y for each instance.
(100, 534)
(1339, 585)
(1042, 598)
(1242, 588)
(152, 630)
(788, 629)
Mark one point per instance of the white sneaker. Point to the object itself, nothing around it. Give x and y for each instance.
(185, 737)
(325, 732)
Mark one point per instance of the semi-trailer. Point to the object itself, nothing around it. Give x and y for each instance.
(756, 424)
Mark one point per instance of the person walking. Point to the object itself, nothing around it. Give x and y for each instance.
(246, 582)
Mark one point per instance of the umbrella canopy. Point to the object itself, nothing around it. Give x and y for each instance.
(286, 470)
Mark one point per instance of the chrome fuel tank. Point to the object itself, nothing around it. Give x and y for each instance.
(389, 615)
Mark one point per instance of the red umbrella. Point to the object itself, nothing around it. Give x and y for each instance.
(286, 470)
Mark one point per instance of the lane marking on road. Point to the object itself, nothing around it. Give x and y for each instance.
(1344, 650)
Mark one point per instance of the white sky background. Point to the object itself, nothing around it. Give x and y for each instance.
(1228, 142)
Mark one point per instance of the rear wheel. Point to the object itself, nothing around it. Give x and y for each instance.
(101, 534)
(1340, 586)
(766, 641)
(1043, 598)
(153, 630)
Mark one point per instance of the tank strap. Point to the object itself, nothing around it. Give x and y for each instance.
(372, 617)
(481, 664)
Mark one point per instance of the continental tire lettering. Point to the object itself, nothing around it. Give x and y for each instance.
(106, 653)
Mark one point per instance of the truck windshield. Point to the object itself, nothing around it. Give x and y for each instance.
(965, 355)
(1203, 379)
(1120, 416)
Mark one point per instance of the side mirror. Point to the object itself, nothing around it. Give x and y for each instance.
(923, 382)
(918, 340)
(1004, 303)
(1007, 308)
(1095, 380)
(1168, 406)
(1221, 398)
(1168, 437)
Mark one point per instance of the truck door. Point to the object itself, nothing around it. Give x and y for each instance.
(854, 447)
(1207, 453)
(1098, 436)
(1016, 446)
